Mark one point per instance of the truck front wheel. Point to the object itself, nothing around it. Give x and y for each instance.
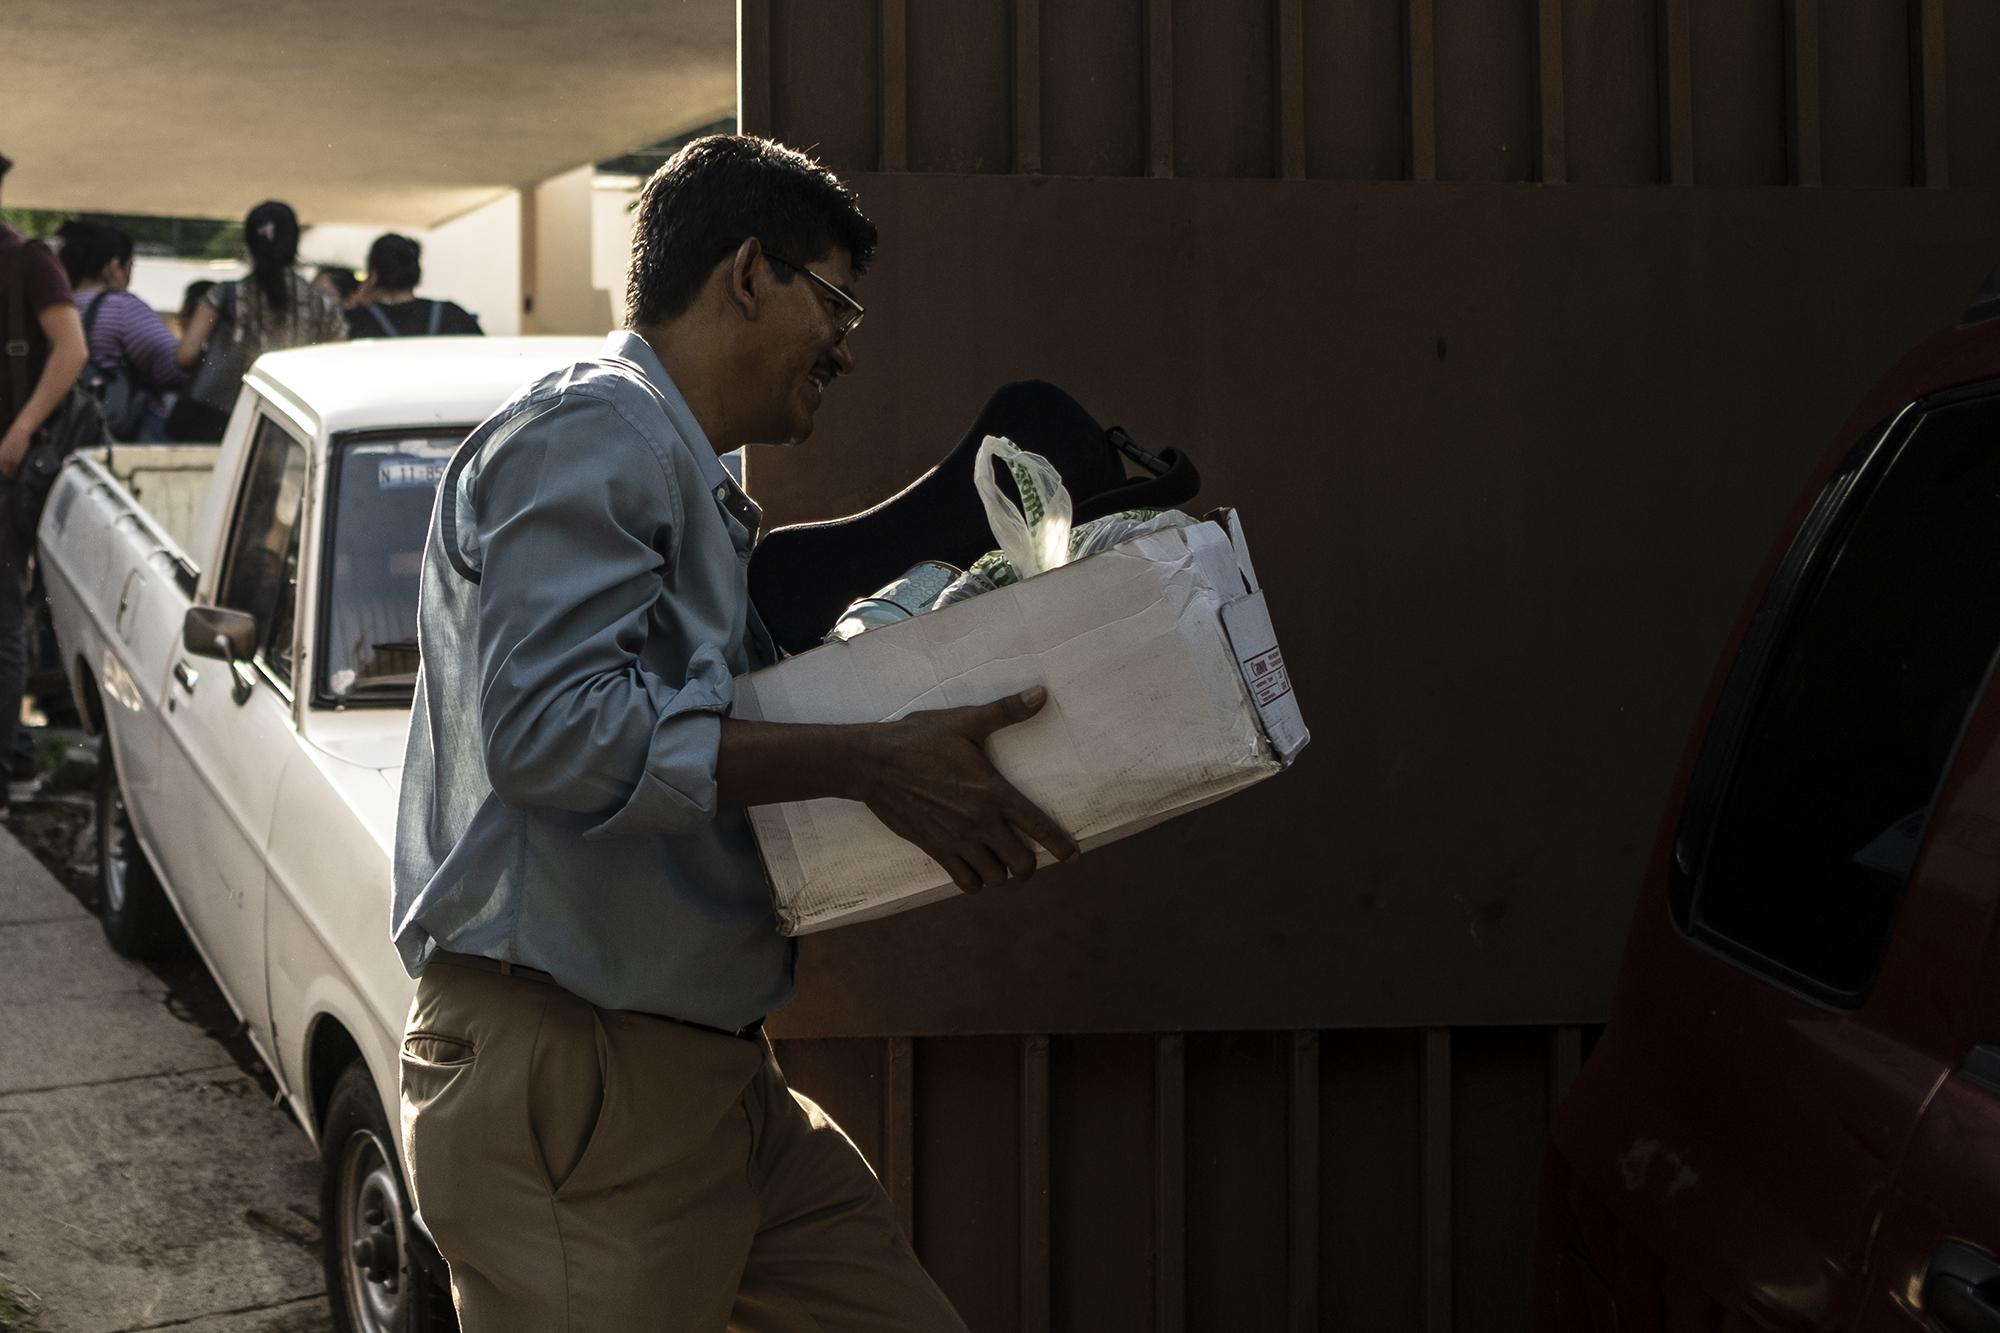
(131, 905)
(377, 1277)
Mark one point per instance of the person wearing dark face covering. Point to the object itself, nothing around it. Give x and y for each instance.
(272, 309)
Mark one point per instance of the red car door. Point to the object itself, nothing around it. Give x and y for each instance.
(1937, 1260)
(1785, 1015)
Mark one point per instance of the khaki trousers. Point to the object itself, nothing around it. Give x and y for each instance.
(598, 1171)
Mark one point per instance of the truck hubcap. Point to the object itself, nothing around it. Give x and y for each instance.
(371, 1236)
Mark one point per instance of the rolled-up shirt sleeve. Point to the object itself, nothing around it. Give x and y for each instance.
(575, 519)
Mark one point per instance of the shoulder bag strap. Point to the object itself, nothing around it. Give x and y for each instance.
(388, 330)
(437, 317)
(90, 318)
(17, 333)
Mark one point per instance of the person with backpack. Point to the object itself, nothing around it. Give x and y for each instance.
(388, 305)
(42, 345)
(272, 309)
(131, 368)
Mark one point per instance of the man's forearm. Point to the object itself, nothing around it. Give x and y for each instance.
(58, 373)
(768, 763)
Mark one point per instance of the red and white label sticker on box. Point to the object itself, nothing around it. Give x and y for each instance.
(1248, 623)
(1265, 674)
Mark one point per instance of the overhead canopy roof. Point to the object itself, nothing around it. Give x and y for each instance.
(364, 111)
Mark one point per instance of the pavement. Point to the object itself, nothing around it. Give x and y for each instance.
(146, 1182)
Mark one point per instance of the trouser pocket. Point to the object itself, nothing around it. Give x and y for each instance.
(448, 1125)
(569, 1087)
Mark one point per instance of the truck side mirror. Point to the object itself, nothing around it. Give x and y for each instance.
(216, 631)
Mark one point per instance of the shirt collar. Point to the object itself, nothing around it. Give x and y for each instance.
(629, 346)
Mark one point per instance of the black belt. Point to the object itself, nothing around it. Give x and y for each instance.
(751, 1031)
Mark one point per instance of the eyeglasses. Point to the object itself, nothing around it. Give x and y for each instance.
(845, 310)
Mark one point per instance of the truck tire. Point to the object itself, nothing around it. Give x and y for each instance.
(131, 906)
(379, 1268)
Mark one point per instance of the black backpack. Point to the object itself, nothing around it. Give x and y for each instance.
(117, 389)
(391, 331)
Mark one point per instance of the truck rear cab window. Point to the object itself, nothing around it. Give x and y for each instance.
(1865, 677)
(260, 572)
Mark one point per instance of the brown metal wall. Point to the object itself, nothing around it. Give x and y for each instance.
(1209, 1180)
(1508, 455)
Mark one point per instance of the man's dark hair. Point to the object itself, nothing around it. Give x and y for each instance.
(88, 246)
(6, 165)
(720, 190)
(393, 262)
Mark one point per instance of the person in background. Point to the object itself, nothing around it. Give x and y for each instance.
(35, 375)
(187, 420)
(339, 283)
(124, 332)
(191, 302)
(272, 309)
(389, 307)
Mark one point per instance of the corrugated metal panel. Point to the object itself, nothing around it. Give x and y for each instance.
(1972, 84)
(1739, 92)
(1486, 90)
(1612, 69)
(1865, 88)
(1280, 1180)
(1224, 89)
(1356, 104)
(1518, 450)
(1101, 1168)
(960, 94)
(1236, 1174)
(1840, 92)
(1500, 1117)
(968, 1198)
(1371, 1223)
(826, 72)
(1093, 86)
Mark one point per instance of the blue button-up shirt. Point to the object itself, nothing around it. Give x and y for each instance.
(585, 603)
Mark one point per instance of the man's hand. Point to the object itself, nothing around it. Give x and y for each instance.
(928, 779)
(925, 776)
(13, 448)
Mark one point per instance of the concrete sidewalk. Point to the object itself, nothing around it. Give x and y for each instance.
(145, 1181)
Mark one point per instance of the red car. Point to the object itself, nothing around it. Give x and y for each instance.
(1793, 1119)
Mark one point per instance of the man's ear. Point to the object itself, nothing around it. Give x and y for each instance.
(742, 289)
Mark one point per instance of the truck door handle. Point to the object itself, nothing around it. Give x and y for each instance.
(1962, 1290)
(186, 675)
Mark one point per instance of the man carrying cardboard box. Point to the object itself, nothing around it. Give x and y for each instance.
(597, 1133)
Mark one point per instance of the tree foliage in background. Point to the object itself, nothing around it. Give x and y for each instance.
(187, 238)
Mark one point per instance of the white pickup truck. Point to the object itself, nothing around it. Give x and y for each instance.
(239, 626)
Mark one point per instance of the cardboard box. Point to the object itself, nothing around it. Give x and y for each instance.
(1166, 692)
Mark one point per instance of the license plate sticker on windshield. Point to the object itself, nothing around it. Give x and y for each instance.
(398, 473)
